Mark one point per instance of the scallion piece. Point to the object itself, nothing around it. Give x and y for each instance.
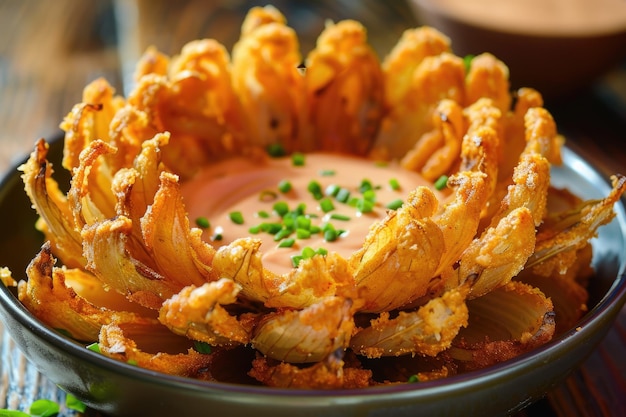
(202, 347)
(203, 222)
(326, 205)
(441, 182)
(236, 217)
(365, 205)
(303, 233)
(366, 185)
(394, 184)
(276, 150)
(298, 159)
(315, 189)
(343, 195)
(395, 204)
(94, 347)
(330, 235)
(284, 186)
(337, 216)
(286, 243)
(327, 172)
(281, 234)
(413, 379)
(281, 208)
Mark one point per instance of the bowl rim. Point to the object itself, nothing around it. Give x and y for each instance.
(616, 28)
(604, 310)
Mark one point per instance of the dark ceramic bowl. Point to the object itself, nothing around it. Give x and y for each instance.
(557, 59)
(120, 389)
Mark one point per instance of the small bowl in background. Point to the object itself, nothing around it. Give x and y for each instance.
(555, 46)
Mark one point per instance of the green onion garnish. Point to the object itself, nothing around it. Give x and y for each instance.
(202, 347)
(441, 182)
(395, 204)
(326, 205)
(284, 186)
(343, 195)
(365, 185)
(236, 217)
(315, 189)
(286, 243)
(276, 150)
(337, 216)
(203, 223)
(327, 172)
(413, 378)
(297, 159)
(281, 208)
(365, 206)
(467, 62)
(330, 235)
(94, 347)
(394, 184)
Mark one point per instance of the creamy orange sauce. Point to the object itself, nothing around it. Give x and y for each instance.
(251, 188)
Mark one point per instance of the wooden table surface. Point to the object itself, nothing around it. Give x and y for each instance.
(50, 49)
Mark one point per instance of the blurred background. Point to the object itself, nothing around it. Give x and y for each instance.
(50, 49)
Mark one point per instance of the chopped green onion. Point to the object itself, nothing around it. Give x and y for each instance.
(254, 229)
(330, 235)
(303, 222)
(395, 204)
(271, 228)
(300, 209)
(413, 378)
(327, 205)
(343, 195)
(236, 217)
(74, 403)
(203, 223)
(370, 195)
(332, 190)
(263, 214)
(467, 62)
(365, 206)
(308, 252)
(394, 184)
(44, 408)
(284, 186)
(337, 216)
(202, 347)
(327, 172)
(281, 208)
(276, 150)
(286, 243)
(441, 182)
(217, 237)
(281, 234)
(322, 251)
(366, 185)
(297, 159)
(315, 189)
(94, 347)
(132, 362)
(303, 233)
(295, 260)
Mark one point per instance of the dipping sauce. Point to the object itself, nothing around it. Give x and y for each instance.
(241, 197)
